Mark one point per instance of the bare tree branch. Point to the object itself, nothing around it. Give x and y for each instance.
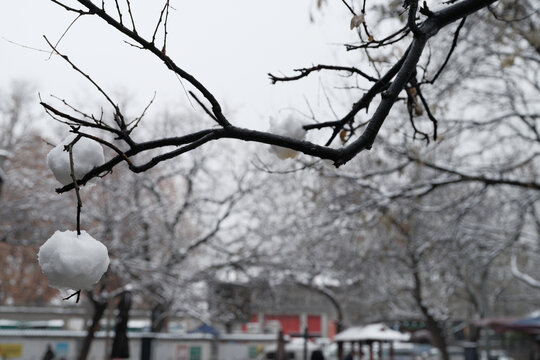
(389, 86)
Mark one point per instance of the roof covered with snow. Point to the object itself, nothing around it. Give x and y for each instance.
(378, 332)
(5, 153)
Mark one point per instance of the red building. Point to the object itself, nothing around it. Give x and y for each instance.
(262, 308)
(318, 325)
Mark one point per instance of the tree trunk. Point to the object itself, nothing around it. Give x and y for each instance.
(120, 347)
(337, 306)
(280, 350)
(159, 318)
(99, 310)
(433, 326)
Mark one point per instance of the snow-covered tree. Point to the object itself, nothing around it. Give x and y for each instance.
(30, 213)
(16, 113)
(473, 109)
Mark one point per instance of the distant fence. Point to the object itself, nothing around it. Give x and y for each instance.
(32, 344)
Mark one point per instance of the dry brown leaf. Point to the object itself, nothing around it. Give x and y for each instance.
(357, 20)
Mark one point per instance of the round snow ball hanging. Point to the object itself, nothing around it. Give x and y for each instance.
(290, 127)
(71, 261)
(87, 154)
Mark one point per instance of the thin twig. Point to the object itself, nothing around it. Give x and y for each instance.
(428, 110)
(364, 23)
(77, 193)
(109, 145)
(159, 22)
(68, 8)
(91, 117)
(66, 58)
(303, 72)
(131, 16)
(78, 293)
(165, 32)
(349, 7)
(136, 121)
(524, 17)
(24, 46)
(64, 34)
(119, 11)
(410, 102)
(450, 52)
(98, 125)
(390, 39)
(202, 105)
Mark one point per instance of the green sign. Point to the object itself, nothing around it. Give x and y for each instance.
(253, 352)
(195, 353)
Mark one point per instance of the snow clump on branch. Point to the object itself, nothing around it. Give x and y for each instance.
(87, 154)
(290, 127)
(71, 261)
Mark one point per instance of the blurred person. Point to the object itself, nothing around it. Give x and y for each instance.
(317, 355)
(350, 355)
(49, 354)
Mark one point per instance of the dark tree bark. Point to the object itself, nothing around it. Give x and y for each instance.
(413, 260)
(99, 305)
(433, 326)
(120, 346)
(159, 317)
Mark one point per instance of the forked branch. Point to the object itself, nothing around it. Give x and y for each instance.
(389, 86)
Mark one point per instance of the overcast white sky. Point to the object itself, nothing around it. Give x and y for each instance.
(228, 45)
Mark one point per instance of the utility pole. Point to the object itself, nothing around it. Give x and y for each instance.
(306, 334)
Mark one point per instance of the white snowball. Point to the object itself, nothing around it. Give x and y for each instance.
(87, 154)
(73, 262)
(290, 127)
